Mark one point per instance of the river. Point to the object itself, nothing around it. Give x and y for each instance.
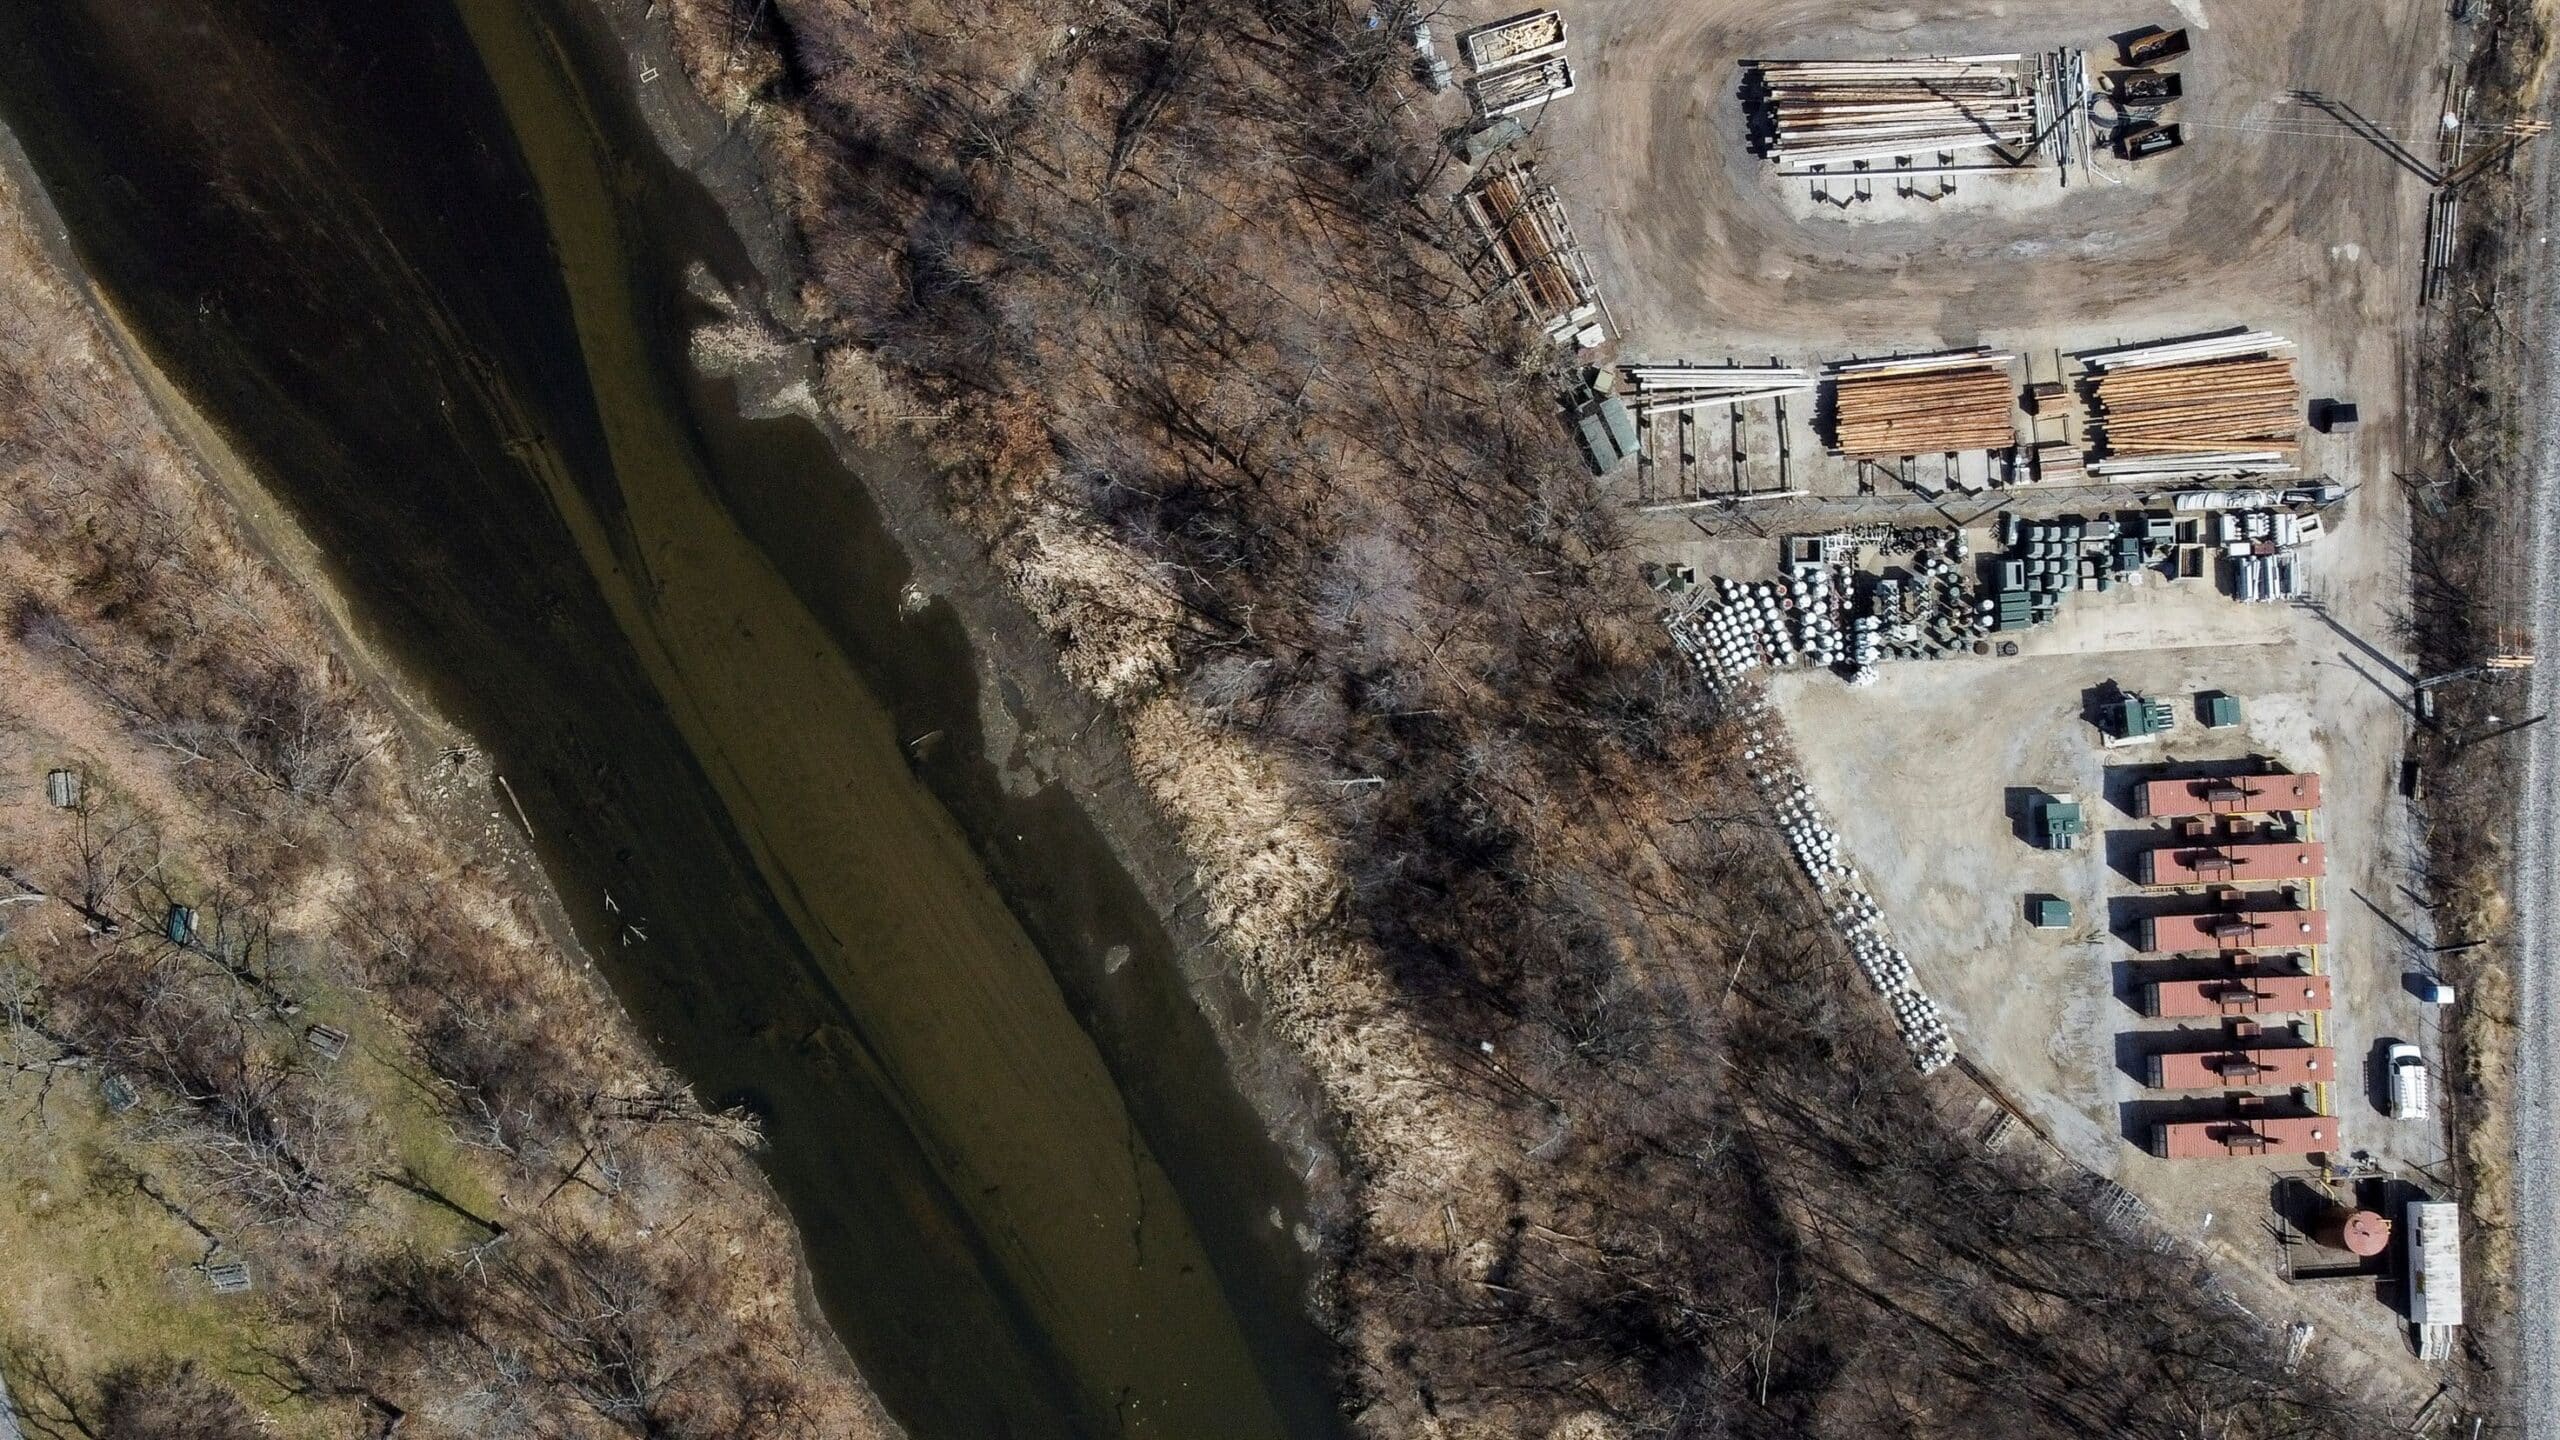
(424, 265)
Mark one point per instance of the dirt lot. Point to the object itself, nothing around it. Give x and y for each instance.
(2274, 217)
(1945, 754)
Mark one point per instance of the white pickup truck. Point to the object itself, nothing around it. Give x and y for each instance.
(2408, 1081)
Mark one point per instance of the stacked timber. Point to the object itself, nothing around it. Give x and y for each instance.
(1506, 91)
(1523, 226)
(1927, 405)
(1821, 112)
(1661, 389)
(2196, 407)
(1515, 41)
(1518, 62)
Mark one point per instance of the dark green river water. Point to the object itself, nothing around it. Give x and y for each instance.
(420, 262)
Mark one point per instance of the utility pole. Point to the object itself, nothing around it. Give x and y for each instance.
(2503, 662)
(2445, 176)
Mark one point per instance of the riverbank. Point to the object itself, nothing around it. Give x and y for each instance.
(104, 1315)
(719, 720)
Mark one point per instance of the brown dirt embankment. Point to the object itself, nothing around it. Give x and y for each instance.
(490, 1211)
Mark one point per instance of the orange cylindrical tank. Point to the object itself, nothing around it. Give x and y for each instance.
(2358, 1232)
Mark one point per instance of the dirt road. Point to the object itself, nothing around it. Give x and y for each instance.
(2537, 889)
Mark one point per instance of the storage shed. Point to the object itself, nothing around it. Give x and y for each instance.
(2434, 1228)
(2227, 795)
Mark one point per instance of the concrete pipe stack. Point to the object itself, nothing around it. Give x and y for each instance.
(1839, 112)
(1708, 636)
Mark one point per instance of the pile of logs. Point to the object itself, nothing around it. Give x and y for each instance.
(1519, 63)
(2196, 407)
(1838, 111)
(1519, 88)
(1927, 405)
(1524, 228)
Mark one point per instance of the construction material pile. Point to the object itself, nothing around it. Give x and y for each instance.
(2196, 407)
(1929, 615)
(1928, 405)
(1663, 388)
(1515, 41)
(1520, 87)
(1523, 226)
(1752, 626)
(1519, 63)
(1719, 641)
(1823, 112)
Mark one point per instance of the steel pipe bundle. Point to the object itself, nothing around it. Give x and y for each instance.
(1841, 111)
(1886, 409)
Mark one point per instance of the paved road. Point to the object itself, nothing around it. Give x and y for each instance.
(2537, 929)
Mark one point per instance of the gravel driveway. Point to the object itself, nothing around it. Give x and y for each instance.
(2537, 889)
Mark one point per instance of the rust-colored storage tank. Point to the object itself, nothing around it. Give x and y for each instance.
(2358, 1232)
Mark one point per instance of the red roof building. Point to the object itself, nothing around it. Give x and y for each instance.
(2238, 1066)
(2239, 993)
(2226, 795)
(2233, 930)
(2217, 864)
(2244, 1135)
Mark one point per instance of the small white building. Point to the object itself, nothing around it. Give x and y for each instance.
(2434, 1228)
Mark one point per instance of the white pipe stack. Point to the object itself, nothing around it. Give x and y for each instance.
(1661, 389)
(2186, 352)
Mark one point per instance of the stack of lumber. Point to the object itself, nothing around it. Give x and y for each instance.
(1927, 405)
(2195, 407)
(1523, 226)
(1664, 388)
(1515, 41)
(1838, 111)
(1520, 87)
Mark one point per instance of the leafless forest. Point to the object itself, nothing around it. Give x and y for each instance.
(487, 1212)
(2468, 563)
(1629, 1153)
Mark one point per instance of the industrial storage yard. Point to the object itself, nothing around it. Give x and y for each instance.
(2026, 448)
